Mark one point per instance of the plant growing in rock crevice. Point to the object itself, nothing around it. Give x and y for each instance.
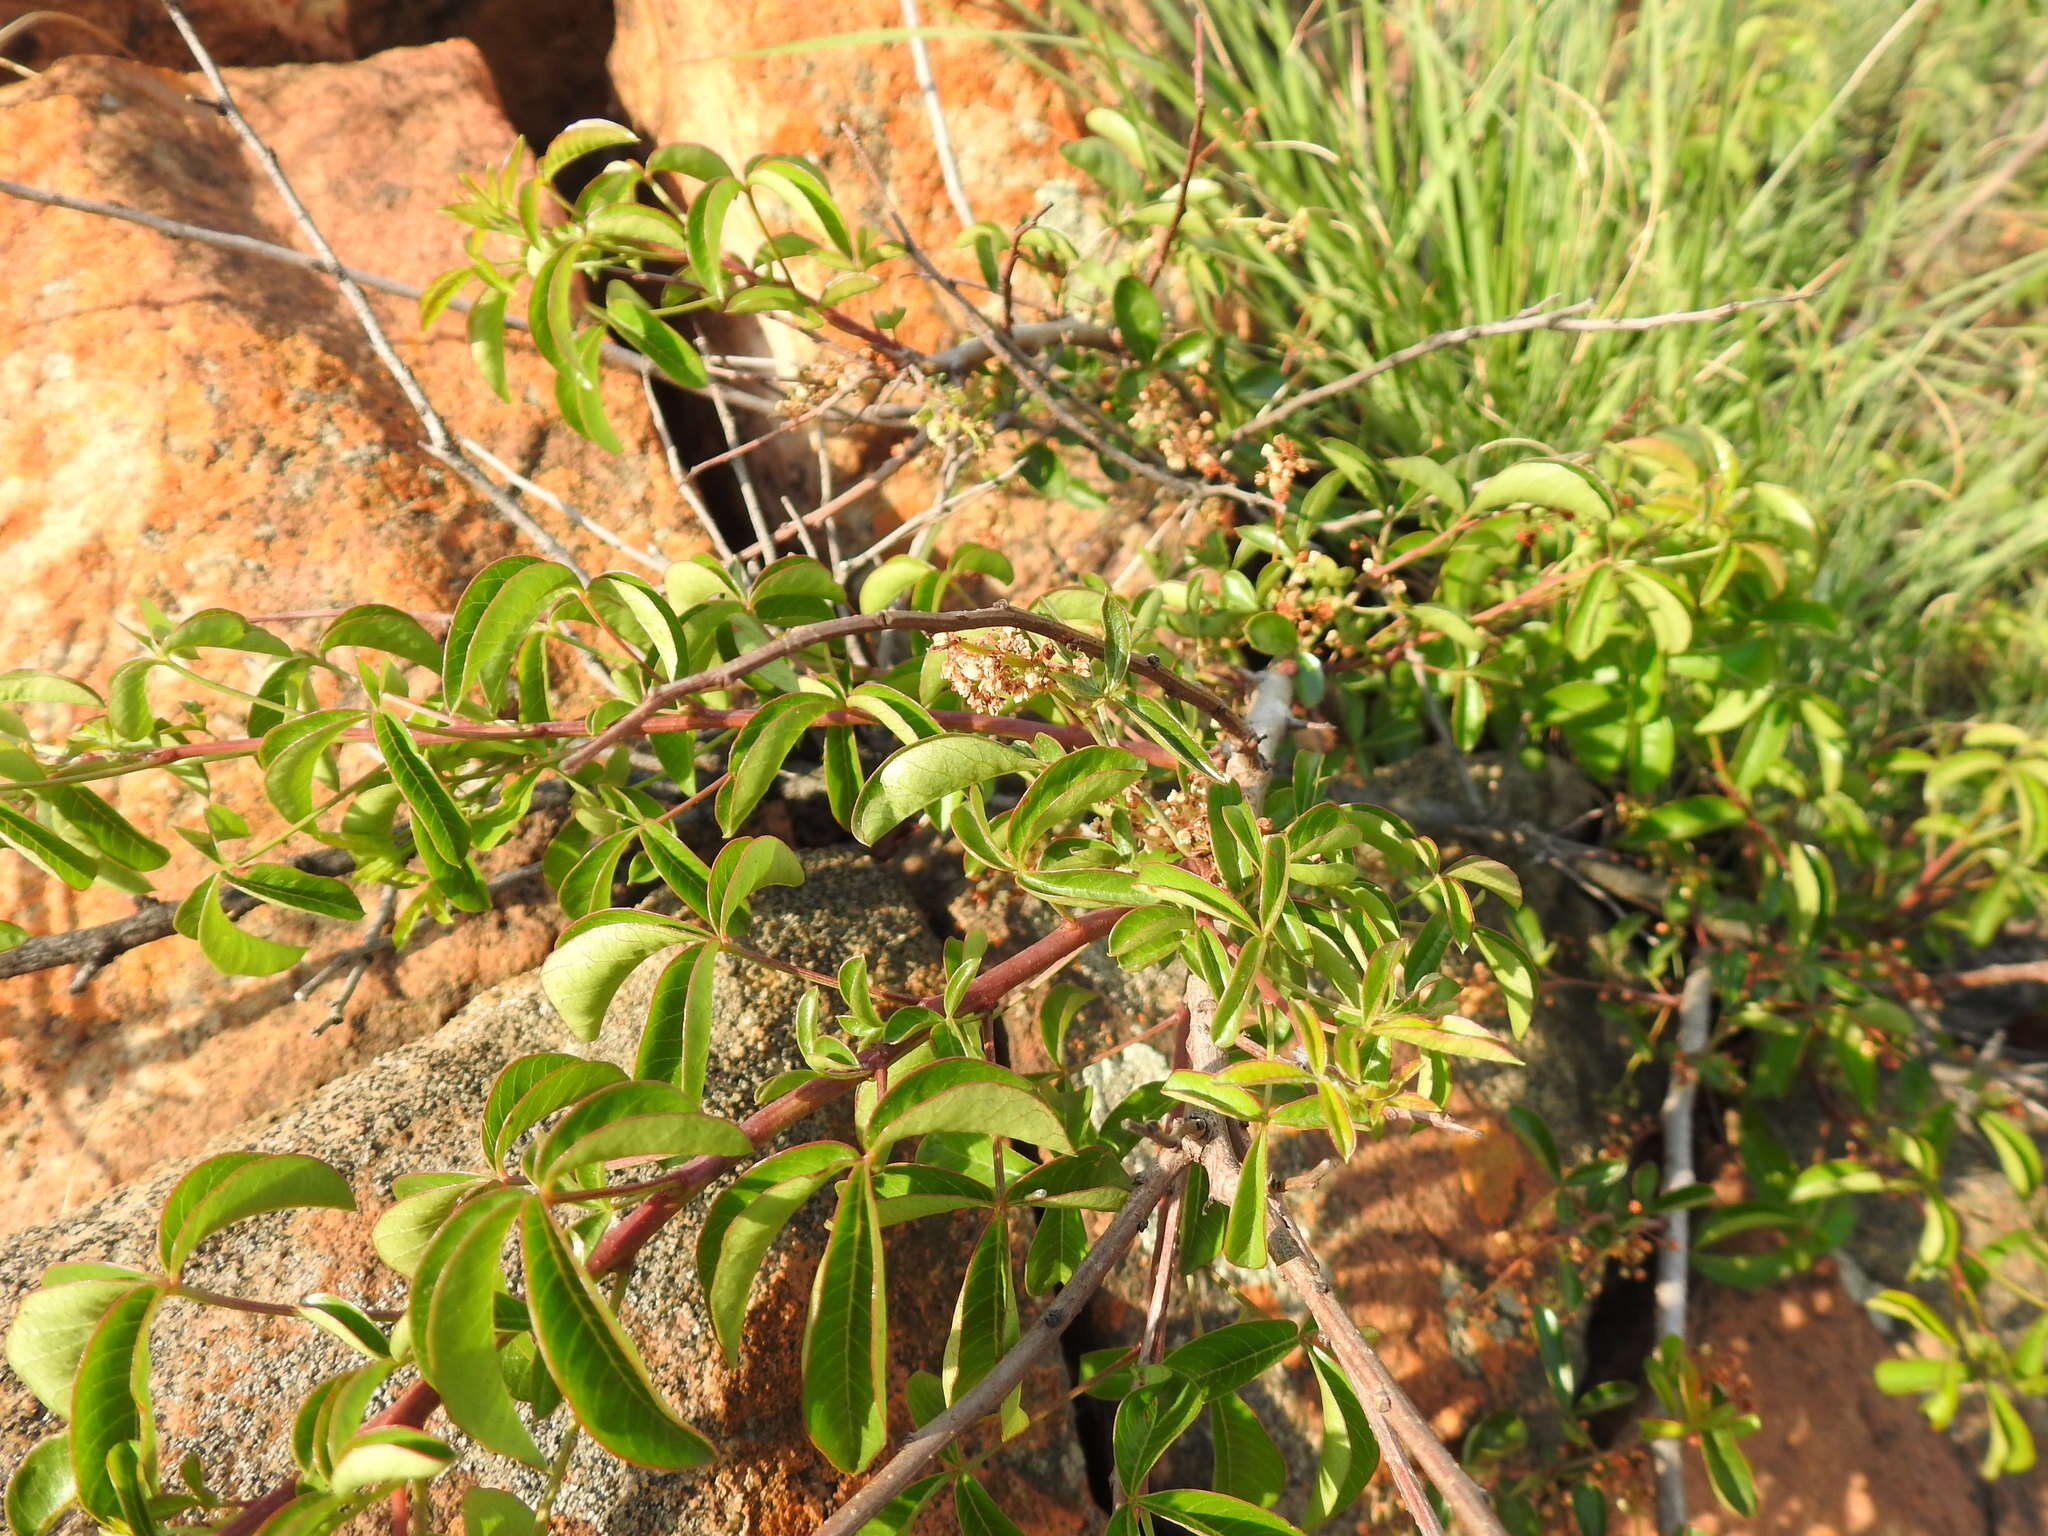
(1131, 763)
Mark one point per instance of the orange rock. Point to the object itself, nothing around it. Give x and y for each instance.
(190, 427)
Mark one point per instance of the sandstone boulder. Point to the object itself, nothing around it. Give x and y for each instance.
(188, 426)
(227, 1381)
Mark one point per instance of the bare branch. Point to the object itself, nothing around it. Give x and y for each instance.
(1993, 975)
(987, 1395)
(1034, 384)
(611, 352)
(440, 442)
(825, 511)
(942, 142)
(1674, 1256)
(595, 529)
(1566, 319)
(1003, 616)
(1187, 170)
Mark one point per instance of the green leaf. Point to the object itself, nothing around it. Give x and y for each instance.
(1547, 483)
(759, 750)
(897, 1516)
(744, 866)
(379, 627)
(52, 1326)
(1693, 817)
(1490, 875)
(344, 1320)
(1066, 789)
(1149, 1420)
(1214, 1514)
(107, 829)
(596, 954)
(1447, 621)
(310, 1514)
(1350, 1453)
(1452, 1035)
(2019, 1158)
(530, 1089)
(110, 1403)
(492, 1512)
(891, 579)
(1089, 1180)
(592, 1359)
(1248, 1465)
(1224, 1359)
(1663, 606)
(985, 1324)
(1591, 616)
(1429, 477)
(1192, 1087)
(1513, 972)
(283, 886)
(914, 778)
(679, 868)
(24, 685)
(1244, 1235)
(787, 174)
(1185, 889)
(454, 1330)
(223, 629)
(41, 1489)
(706, 232)
(1728, 1472)
(582, 137)
(388, 1455)
(1057, 1247)
(440, 834)
(675, 1045)
(46, 850)
(497, 611)
(644, 331)
(238, 1185)
(1138, 316)
(486, 334)
(633, 1119)
(291, 755)
(745, 1219)
(229, 949)
(978, 1513)
(845, 1355)
(963, 1094)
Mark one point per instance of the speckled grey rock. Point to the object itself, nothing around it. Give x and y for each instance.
(228, 1383)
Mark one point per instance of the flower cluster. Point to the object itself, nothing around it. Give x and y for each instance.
(994, 670)
(1284, 463)
(1176, 822)
(1180, 426)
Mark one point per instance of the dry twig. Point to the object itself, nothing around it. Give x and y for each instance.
(1674, 1254)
